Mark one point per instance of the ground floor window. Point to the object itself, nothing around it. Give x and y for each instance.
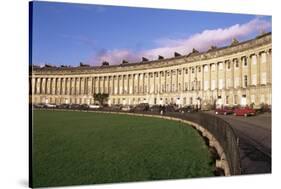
(227, 100)
(184, 100)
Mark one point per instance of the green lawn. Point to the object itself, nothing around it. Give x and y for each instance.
(73, 148)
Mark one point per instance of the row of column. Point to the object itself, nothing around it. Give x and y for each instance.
(193, 78)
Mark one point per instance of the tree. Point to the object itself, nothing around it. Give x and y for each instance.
(101, 97)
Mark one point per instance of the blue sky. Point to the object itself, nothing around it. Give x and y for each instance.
(67, 34)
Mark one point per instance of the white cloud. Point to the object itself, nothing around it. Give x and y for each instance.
(200, 41)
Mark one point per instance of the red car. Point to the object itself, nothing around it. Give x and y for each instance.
(246, 111)
(224, 111)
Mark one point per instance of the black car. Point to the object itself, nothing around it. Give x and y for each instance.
(186, 109)
(142, 107)
(84, 107)
(155, 108)
(116, 107)
(63, 106)
(74, 106)
(170, 108)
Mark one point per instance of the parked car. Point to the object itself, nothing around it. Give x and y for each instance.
(74, 106)
(116, 107)
(142, 107)
(224, 111)
(39, 105)
(126, 108)
(155, 108)
(186, 109)
(207, 107)
(63, 106)
(50, 105)
(246, 111)
(84, 106)
(94, 106)
(170, 108)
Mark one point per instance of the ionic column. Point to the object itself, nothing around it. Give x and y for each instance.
(210, 76)
(268, 66)
(202, 78)
(171, 81)
(249, 63)
(224, 71)
(33, 85)
(98, 85)
(177, 80)
(63, 86)
(240, 62)
(217, 75)
(68, 86)
(258, 68)
(82, 85)
(165, 81)
(72, 80)
(43, 87)
(38, 83)
(89, 87)
(59, 86)
(143, 82)
(232, 72)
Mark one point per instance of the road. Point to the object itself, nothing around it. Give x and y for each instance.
(254, 141)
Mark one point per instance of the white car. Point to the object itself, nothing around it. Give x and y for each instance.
(94, 106)
(50, 105)
(126, 108)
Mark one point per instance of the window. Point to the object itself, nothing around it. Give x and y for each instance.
(252, 98)
(186, 71)
(192, 70)
(235, 99)
(237, 64)
(262, 99)
(245, 81)
(245, 61)
(226, 100)
(186, 86)
(179, 72)
(184, 100)
(228, 65)
(199, 69)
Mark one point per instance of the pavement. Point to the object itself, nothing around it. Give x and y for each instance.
(254, 141)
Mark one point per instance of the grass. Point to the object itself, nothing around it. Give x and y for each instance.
(75, 148)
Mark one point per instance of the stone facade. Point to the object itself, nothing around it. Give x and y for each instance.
(239, 74)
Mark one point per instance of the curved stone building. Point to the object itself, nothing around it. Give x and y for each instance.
(232, 75)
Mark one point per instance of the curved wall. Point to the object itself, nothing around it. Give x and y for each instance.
(237, 74)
